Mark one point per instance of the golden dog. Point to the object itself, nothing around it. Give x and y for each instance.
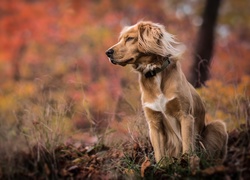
(174, 111)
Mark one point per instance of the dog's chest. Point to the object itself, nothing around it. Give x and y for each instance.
(159, 102)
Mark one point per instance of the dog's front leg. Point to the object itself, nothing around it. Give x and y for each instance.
(156, 132)
(157, 140)
(187, 133)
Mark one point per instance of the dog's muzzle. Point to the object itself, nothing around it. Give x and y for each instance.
(110, 53)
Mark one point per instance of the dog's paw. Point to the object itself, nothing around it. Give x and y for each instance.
(194, 162)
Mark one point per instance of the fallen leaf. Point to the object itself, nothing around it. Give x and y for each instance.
(77, 160)
(144, 166)
(90, 149)
(73, 169)
(215, 169)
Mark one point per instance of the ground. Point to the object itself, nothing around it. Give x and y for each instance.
(132, 160)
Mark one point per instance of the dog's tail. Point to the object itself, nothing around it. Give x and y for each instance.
(214, 139)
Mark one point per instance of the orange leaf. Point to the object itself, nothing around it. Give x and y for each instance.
(144, 166)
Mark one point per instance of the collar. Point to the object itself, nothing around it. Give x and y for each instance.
(165, 64)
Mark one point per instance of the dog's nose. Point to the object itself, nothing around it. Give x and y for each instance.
(109, 53)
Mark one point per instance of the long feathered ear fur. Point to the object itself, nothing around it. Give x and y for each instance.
(154, 39)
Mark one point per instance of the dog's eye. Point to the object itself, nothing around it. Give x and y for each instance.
(129, 39)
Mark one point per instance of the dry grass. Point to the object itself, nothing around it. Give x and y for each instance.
(41, 124)
(33, 146)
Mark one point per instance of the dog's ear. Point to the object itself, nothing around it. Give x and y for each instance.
(154, 39)
(149, 38)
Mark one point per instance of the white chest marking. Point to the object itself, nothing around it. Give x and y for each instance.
(159, 104)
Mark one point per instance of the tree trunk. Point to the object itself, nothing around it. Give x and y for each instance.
(205, 44)
(16, 61)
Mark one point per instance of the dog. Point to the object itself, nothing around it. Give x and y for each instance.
(174, 111)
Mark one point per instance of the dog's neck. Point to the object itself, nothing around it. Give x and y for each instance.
(153, 72)
(156, 64)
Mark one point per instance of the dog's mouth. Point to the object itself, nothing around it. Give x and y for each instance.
(124, 63)
(113, 61)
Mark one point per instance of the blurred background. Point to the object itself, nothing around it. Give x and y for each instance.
(54, 74)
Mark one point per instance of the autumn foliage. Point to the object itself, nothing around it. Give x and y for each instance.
(55, 81)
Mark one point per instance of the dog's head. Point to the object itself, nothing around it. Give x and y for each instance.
(141, 40)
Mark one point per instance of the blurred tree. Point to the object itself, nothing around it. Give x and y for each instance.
(205, 44)
(16, 61)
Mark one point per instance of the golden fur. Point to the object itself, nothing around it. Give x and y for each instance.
(173, 109)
